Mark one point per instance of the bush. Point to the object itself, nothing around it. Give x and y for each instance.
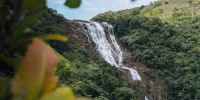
(123, 93)
(89, 77)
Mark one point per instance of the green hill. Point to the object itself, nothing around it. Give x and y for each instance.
(166, 37)
(79, 65)
(167, 10)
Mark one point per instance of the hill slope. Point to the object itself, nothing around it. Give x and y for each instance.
(166, 37)
(167, 10)
(80, 66)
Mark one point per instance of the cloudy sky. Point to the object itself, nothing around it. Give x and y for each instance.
(90, 8)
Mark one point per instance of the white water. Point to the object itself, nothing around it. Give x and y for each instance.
(108, 47)
(145, 98)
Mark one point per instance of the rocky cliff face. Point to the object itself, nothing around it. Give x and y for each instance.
(149, 86)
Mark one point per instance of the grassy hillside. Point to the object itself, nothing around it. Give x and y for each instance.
(167, 10)
(166, 40)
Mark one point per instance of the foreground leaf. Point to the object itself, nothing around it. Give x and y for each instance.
(31, 75)
(50, 78)
(63, 93)
(57, 37)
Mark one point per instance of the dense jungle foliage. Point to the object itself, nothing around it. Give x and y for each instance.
(172, 48)
(87, 75)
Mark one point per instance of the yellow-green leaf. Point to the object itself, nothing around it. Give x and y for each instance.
(58, 37)
(29, 80)
(73, 3)
(50, 78)
(63, 93)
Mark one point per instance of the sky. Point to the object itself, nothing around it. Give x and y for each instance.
(90, 8)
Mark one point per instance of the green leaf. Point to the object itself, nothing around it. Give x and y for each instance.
(73, 3)
(58, 37)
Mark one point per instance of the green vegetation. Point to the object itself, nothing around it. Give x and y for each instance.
(28, 62)
(153, 12)
(171, 47)
(164, 9)
(51, 22)
(25, 57)
(87, 75)
(93, 78)
(165, 36)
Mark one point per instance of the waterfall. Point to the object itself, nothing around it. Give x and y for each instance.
(107, 46)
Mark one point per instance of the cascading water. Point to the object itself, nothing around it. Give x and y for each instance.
(108, 47)
(109, 50)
